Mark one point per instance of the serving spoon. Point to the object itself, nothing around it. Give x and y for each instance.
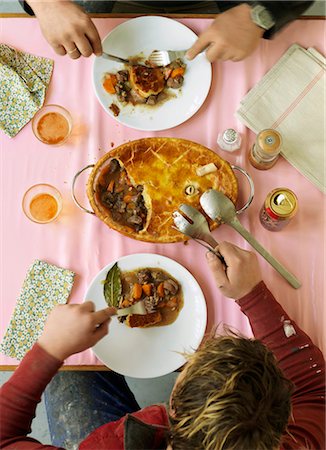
(220, 209)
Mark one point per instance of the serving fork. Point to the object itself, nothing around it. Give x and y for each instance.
(192, 223)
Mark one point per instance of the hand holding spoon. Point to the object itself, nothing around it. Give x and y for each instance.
(220, 208)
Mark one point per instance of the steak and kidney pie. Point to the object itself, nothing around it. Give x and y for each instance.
(137, 186)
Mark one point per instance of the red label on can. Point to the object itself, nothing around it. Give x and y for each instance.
(271, 213)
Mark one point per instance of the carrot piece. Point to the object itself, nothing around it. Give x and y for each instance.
(160, 290)
(147, 288)
(137, 291)
(127, 198)
(111, 186)
(125, 303)
(179, 71)
(109, 83)
(131, 206)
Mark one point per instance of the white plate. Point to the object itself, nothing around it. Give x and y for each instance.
(151, 352)
(145, 34)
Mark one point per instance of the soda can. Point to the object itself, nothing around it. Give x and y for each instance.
(279, 208)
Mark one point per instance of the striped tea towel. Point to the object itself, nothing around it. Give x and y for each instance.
(291, 99)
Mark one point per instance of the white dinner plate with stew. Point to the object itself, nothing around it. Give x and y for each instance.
(154, 351)
(144, 34)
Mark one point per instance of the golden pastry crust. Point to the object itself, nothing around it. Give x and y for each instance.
(148, 320)
(165, 167)
(146, 81)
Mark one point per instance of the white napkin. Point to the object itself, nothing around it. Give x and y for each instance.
(291, 99)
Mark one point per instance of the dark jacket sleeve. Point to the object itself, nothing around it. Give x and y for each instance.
(20, 396)
(301, 361)
(283, 13)
(26, 8)
(90, 6)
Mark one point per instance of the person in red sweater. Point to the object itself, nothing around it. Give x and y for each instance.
(234, 393)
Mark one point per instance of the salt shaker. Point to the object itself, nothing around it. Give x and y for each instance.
(229, 140)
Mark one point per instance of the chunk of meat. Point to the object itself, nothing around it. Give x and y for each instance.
(115, 109)
(135, 220)
(175, 83)
(114, 166)
(151, 303)
(152, 100)
(162, 96)
(144, 276)
(123, 76)
(170, 287)
(108, 198)
(135, 98)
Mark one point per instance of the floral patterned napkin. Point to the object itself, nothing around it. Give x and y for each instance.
(24, 79)
(44, 287)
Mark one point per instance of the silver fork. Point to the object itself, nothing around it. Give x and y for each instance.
(115, 58)
(165, 57)
(136, 308)
(193, 224)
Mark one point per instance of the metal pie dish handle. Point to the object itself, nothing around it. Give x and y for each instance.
(73, 189)
(251, 185)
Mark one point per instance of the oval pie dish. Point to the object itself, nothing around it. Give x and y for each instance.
(135, 187)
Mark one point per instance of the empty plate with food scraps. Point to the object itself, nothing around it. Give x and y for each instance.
(143, 96)
(150, 345)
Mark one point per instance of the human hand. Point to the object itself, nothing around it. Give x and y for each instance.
(232, 35)
(67, 28)
(71, 329)
(240, 276)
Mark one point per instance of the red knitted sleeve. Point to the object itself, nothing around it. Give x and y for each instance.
(20, 396)
(301, 361)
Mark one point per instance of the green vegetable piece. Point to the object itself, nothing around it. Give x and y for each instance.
(113, 286)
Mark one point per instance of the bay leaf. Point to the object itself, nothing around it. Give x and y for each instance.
(113, 286)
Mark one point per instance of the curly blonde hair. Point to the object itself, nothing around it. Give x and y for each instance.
(233, 396)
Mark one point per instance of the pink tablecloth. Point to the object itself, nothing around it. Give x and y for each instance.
(84, 244)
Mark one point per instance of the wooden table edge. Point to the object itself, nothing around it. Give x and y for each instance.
(84, 368)
(121, 16)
